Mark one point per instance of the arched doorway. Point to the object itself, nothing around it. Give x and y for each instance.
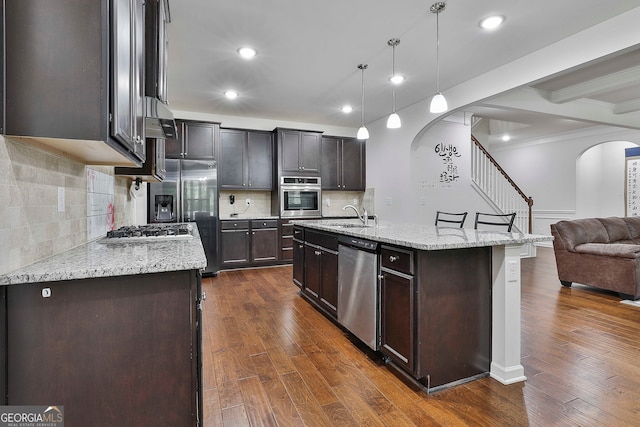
(600, 180)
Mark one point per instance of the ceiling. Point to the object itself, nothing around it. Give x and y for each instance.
(306, 68)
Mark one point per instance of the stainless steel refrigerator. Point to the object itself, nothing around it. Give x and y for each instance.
(189, 193)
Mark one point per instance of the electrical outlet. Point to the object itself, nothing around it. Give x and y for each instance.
(248, 202)
(328, 202)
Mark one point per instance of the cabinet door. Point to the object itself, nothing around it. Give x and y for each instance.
(122, 125)
(199, 140)
(396, 317)
(298, 263)
(330, 159)
(234, 245)
(289, 142)
(264, 244)
(312, 270)
(260, 160)
(173, 146)
(353, 164)
(232, 169)
(309, 151)
(329, 285)
(137, 90)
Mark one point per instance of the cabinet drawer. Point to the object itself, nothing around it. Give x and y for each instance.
(326, 240)
(397, 259)
(234, 225)
(287, 227)
(298, 233)
(264, 223)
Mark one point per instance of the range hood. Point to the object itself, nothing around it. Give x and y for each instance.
(159, 120)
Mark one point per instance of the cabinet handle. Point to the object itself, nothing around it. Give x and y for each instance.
(300, 246)
(393, 258)
(318, 252)
(380, 276)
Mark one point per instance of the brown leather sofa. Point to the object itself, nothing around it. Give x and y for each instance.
(599, 252)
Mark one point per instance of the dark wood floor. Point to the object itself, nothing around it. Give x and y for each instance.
(271, 359)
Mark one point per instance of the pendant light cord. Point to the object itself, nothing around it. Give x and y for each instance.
(438, 51)
(393, 72)
(362, 68)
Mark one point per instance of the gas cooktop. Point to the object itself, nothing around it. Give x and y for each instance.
(149, 233)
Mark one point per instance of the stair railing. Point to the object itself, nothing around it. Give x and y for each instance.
(498, 186)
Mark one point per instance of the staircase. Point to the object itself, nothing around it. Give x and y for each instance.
(498, 189)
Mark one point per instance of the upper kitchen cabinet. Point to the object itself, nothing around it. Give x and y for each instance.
(298, 152)
(74, 78)
(196, 140)
(343, 164)
(246, 160)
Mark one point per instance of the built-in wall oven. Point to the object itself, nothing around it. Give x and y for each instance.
(300, 196)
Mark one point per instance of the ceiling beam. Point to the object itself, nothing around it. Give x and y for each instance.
(599, 85)
(627, 107)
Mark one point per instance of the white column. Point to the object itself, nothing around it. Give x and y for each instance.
(505, 333)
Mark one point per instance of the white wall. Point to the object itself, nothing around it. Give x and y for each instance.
(600, 180)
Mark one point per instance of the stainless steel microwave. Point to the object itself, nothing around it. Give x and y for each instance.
(300, 197)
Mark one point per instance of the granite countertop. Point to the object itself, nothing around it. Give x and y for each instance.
(423, 237)
(97, 259)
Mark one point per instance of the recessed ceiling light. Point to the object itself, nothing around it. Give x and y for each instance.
(492, 22)
(347, 109)
(247, 52)
(506, 138)
(397, 79)
(231, 94)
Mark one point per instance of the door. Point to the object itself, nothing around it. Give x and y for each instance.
(232, 159)
(198, 189)
(312, 270)
(161, 193)
(260, 160)
(396, 317)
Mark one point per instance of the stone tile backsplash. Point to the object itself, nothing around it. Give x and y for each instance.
(31, 228)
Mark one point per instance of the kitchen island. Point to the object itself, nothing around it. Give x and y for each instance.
(448, 298)
(109, 331)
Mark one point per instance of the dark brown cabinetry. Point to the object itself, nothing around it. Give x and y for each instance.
(343, 164)
(298, 256)
(196, 140)
(234, 243)
(397, 299)
(129, 342)
(246, 160)
(298, 152)
(321, 270)
(248, 242)
(156, 48)
(153, 168)
(75, 77)
(286, 240)
(264, 240)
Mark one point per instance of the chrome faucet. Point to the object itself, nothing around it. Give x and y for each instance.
(364, 217)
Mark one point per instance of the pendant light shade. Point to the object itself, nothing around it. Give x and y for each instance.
(363, 133)
(393, 122)
(438, 103)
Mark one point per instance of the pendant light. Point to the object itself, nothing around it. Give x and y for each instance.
(393, 122)
(363, 133)
(438, 103)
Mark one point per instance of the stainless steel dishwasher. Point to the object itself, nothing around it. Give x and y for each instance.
(358, 288)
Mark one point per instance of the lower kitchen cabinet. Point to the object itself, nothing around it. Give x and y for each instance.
(248, 242)
(286, 240)
(234, 243)
(321, 270)
(113, 351)
(298, 256)
(397, 300)
(264, 240)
